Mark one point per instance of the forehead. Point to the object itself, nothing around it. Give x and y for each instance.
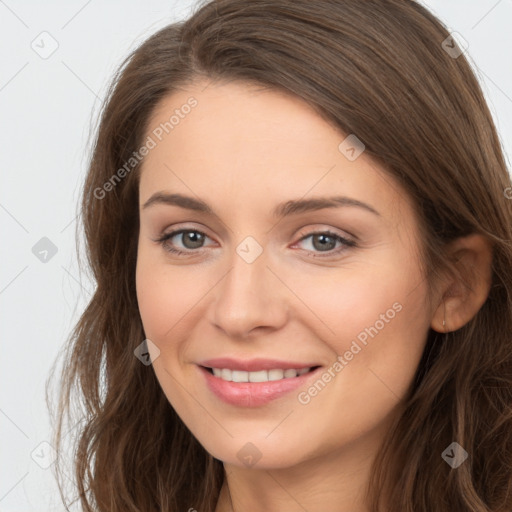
(245, 145)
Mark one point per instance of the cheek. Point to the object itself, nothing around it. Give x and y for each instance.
(155, 305)
(163, 296)
(171, 301)
(380, 331)
(375, 319)
(349, 301)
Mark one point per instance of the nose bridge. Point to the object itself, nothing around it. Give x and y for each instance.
(249, 296)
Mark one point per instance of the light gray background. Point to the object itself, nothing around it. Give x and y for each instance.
(47, 106)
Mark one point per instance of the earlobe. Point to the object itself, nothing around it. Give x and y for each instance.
(467, 287)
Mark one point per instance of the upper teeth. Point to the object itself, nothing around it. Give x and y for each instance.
(259, 376)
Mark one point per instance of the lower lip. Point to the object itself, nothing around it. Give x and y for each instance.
(253, 394)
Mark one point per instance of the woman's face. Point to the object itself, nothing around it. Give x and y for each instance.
(275, 274)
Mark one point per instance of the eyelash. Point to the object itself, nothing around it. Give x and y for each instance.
(346, 242)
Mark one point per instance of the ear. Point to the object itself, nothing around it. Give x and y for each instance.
(467, 287)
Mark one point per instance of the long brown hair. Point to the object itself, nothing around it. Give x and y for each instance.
(380, 69)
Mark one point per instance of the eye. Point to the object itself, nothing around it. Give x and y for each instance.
(190, 239)
(325, 242)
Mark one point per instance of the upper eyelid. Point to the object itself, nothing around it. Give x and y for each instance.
(301, 233)
(180, 231)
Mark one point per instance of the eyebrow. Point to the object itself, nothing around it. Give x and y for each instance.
(291, 207)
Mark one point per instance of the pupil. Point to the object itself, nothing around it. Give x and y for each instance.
(193, 238)
(323, 238)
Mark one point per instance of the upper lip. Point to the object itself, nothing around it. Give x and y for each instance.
(254, 365)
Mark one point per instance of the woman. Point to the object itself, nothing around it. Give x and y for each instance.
(297, 217)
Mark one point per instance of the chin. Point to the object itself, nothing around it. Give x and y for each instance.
(256, 454)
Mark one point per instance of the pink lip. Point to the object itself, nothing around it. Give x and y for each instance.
(254, 365)
(253, 394)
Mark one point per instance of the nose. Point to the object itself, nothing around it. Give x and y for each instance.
(249, 298)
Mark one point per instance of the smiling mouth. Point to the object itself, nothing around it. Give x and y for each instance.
(277, 374)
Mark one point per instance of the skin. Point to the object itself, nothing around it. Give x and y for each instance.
(243, 150)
